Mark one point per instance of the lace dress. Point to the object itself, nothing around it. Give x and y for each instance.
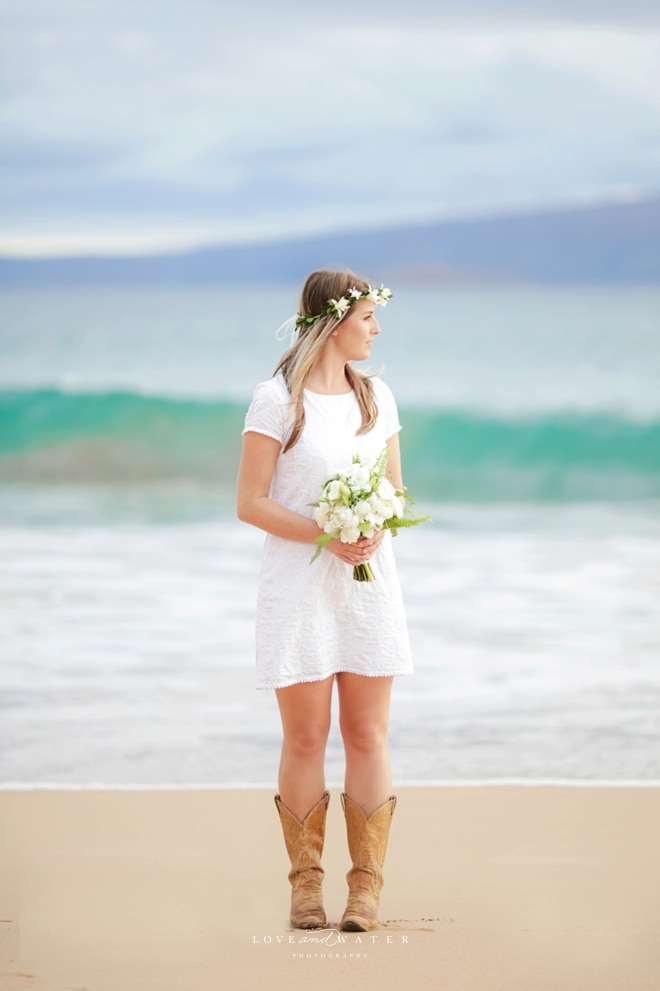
(314, 620)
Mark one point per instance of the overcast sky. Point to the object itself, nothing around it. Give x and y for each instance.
(141, 124)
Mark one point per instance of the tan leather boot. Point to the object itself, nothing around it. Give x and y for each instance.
(367, 843)
(304, 844)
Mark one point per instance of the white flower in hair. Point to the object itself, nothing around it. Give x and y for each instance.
(338, 306)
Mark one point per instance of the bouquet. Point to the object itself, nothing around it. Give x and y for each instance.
(360, 502)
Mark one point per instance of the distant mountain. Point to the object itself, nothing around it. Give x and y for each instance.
(616, 244)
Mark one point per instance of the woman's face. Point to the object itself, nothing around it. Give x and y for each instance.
(355, 334)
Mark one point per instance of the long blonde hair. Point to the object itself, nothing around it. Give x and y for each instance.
(297, 362)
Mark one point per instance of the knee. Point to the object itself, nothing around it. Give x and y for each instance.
(365, 737)
(307, 741)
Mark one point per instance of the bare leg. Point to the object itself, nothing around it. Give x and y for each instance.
(305, 714)
(364, 708)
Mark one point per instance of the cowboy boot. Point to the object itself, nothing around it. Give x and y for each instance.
(304, 844)
(367, 843)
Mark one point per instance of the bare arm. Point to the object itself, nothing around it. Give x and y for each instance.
(394, 472)
(253, 503)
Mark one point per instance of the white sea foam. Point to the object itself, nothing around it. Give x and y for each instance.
(127, 652)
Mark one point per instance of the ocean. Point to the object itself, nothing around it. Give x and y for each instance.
(531, 435)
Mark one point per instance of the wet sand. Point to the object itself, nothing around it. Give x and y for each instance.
(487, 889)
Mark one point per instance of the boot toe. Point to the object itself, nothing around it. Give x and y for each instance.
(358, 924)
(314, 921)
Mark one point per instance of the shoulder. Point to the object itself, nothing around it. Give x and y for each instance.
(388, 413)
(273, 389)
(270, 409)
(382, 391)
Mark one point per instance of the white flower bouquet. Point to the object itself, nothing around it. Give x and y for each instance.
(359, 502)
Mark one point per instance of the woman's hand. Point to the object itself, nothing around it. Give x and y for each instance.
(359, 552)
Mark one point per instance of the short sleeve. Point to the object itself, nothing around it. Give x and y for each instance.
(387, 410)
(269, 411)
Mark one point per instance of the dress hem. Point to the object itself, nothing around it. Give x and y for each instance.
(324, 677)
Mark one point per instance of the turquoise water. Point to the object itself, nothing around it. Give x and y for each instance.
(504, 394)
(118, 437)
(531, 433)
(487, 350)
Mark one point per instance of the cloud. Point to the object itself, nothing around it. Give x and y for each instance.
(230, 121)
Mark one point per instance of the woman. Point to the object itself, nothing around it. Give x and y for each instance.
(315, 624)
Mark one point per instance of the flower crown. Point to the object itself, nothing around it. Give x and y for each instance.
(338, 307)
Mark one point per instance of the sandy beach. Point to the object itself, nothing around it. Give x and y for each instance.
(487, 888)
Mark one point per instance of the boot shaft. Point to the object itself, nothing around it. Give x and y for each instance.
(304, 838)
(368, 836)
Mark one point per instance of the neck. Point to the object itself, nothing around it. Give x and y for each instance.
(328, 376)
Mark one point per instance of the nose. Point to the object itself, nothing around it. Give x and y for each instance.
(376, 327)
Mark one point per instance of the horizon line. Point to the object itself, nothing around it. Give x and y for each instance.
(72, 247)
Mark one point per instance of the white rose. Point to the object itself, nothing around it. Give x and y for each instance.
(334, 491)
(392, 508)
(377, 505)
(359, 477)
(363, 509)
(331, 523)
(321, 514)
(385, 489)
(349, 534)
(345, 517)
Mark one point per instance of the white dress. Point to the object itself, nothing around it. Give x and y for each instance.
(314, 620)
